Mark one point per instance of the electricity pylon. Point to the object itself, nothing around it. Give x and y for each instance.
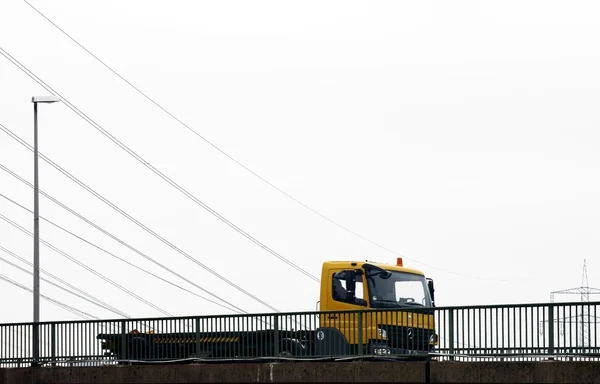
(584, 318)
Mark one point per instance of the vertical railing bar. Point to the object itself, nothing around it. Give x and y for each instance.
(59, 341)
(78, 342)
(27, 336)
(81, 340)
(14, 353)
(123, 340)
(541, 338)
(451, 334)
(251, 340)
(541, 330)
(577, 334)
(526, 334)
(504, 330)
(22, 340)
(360, 326)
(497, 341)
(485, 330)
(275, 347)
(87, 345)
(469, 343)
(546, 317)
(477, 330)
(198, 343)
(588, 347)
(76, 350)
(595, 329)
(534, 316)
(518, 332)
(226, 335)
(92, 345)
(514, 330)
(570, 327)
(463, 322)
(562, 322)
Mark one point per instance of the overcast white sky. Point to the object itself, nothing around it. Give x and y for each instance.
(463, 135)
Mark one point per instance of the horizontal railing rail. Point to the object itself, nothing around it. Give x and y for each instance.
(546, 331)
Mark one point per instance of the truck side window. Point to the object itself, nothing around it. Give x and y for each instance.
(340, 293)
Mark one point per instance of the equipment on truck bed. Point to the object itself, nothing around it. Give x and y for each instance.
(365, 309)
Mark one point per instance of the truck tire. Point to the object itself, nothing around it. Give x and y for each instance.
(285, 353)
(290, 348)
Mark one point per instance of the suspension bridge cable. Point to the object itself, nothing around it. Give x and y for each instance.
(239, 163)
(67, 284)
(235, 308)
(77, 312)
(131, 218)
(147, 164)
(82, 265)
(61, 287)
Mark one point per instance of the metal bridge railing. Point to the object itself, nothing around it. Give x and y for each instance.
(553, 331)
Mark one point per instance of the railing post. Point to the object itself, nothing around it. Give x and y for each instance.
(123, 340)
(276, 335)
(36, 344)
(53, 344)
(551, 329)
(451, 333)
(198, 346)
(360, 332)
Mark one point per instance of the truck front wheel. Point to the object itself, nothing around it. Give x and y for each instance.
(285, 353)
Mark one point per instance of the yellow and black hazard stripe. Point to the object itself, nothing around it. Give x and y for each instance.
(179, 340)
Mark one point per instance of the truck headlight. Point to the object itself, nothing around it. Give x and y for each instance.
(382, 332)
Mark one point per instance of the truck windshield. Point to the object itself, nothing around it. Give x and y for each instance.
(397, 289)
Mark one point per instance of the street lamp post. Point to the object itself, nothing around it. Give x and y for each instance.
(36, 228)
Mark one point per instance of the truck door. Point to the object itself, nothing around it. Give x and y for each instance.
(346, 292)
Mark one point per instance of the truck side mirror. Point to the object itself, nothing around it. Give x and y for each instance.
(431, 290)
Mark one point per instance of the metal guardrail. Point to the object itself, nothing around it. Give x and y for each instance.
(553, 331)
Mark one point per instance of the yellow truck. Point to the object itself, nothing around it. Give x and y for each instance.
(391, 310)
(365, 308)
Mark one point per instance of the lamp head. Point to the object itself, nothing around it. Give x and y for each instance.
(45, 99)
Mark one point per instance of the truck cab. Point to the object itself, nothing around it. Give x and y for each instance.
(395, 305)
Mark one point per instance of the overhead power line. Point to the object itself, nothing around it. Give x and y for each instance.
(239, 163)
(234, 309)
(88, 296)
(148, 165)
(75, 311)
(132, 219)
(91, 270)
